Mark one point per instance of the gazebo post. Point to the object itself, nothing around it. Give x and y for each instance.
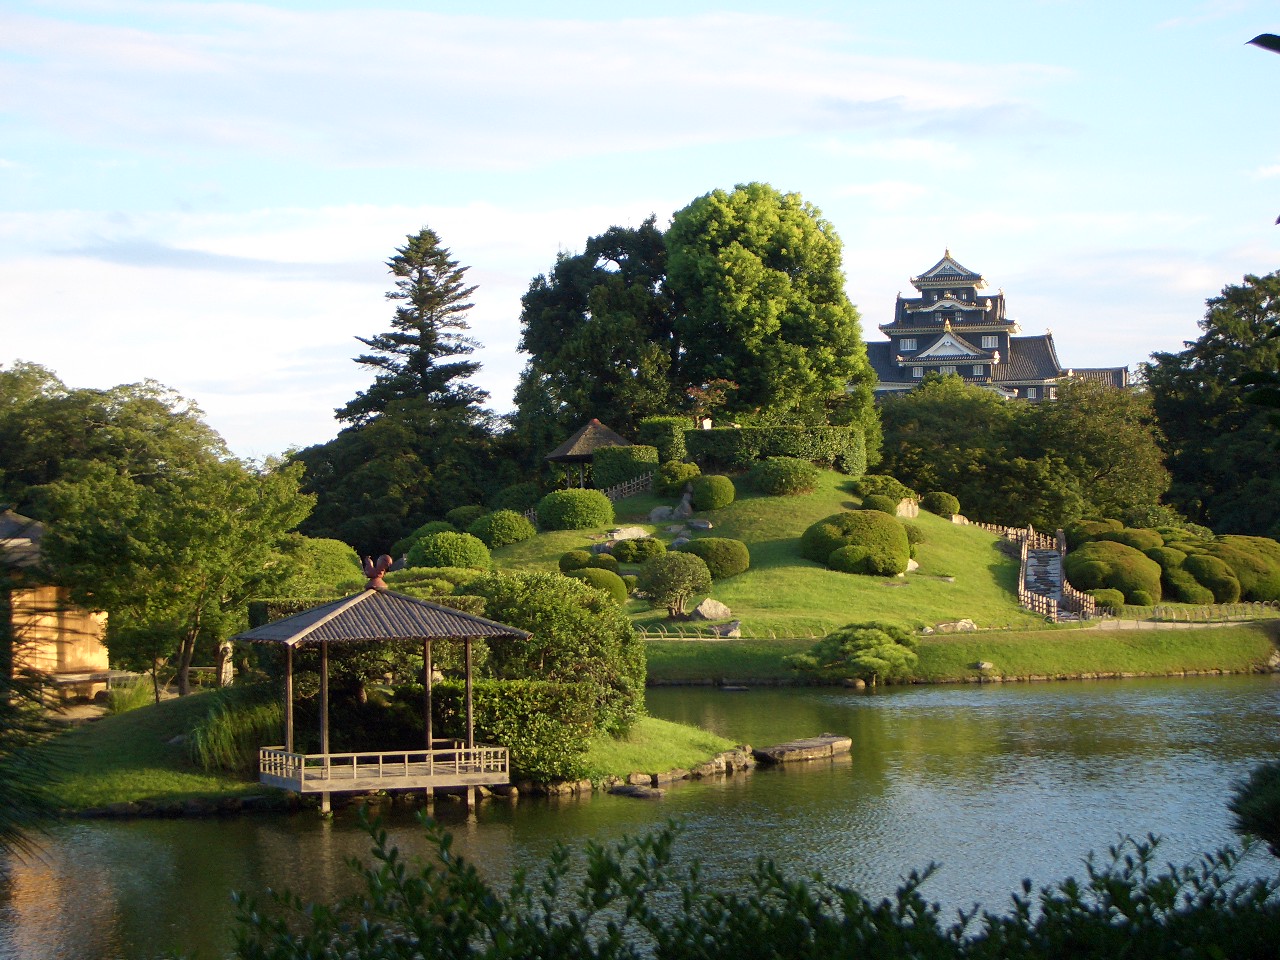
(471, 729)
(324, 718)
(426, 710)
(288, 698)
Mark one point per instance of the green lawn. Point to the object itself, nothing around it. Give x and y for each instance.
(784, 595)
(653, 746)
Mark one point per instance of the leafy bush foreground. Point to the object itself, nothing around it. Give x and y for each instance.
(634, 900)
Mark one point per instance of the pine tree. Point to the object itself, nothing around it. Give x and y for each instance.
(417, 358)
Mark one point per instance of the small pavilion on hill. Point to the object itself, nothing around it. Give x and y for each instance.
(378, 614)
(581, 447)
(955, 327)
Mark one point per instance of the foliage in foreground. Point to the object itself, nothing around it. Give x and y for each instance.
(633, 900)
(1255, 805)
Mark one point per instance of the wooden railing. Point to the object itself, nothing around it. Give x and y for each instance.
(330, 771)
(1028, 539)
(620, 491)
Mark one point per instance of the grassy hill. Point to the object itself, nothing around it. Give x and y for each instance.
(785, 595)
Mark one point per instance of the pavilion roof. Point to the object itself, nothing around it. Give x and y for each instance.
(378, 614)
(583, 444)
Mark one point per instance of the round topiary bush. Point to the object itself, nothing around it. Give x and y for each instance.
(574, 560)
(603, 561)
(638, 550)
(885, 486)
(574, 510)
(401, 547)
(449, 550)
(1214, 575)
(711, 492)
(878, 501)
(1108, 599)
(943, 504)
(881, 536)
(724, 557)
(518, 497)
(673, 476)
(463, 517)
(1182, 586)
(502, 527)
(1124, 569)
(630, 580)
(1141, 598)
(602, 579)
(672, 579)
(1143, 540)
(1082, 531)
(915, 532)
(783, 476)
(1255, 561)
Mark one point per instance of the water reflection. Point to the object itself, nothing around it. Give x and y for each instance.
(995, 783)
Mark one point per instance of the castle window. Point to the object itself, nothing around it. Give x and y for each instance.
(908, 343)
(1053, 393)
(917, 371)
(977, 369)
(990, 342)
(1031, 393)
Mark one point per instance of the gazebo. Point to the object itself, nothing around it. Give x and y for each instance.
(380, 614)
(581, 447)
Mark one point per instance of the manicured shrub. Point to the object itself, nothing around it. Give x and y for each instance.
(401, 547)
(1143, 540)
(502, 527)
(611, 466)
(666, 434)
(673, 476)
(459, 577)
(518, 497)
(672, 579)
(1214, 575)
(783, 476)
(866, 651)
(463, 517)
(883, 485)
(711, 492)
(574, 510)
(943, 504)
(574, 560)
(1180, 585)
(602, 579)
(1126, 569)
(1082, 531)
(449, 550)
(1141, 598)
(884, 549)
(878, 501)
(915, 534)
(603, 561)
(1169, 558)
(1254, 560)
(638, 550)
(629, 580)
(724, 557)
(734, 448)
(1112, 600)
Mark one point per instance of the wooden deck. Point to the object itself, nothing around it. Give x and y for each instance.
(448, 764)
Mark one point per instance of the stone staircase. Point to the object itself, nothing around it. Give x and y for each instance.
(1044, 576)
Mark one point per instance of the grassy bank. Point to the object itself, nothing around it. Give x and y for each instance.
(653, 746)
(1234, 648)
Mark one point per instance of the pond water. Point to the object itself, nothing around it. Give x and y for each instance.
(994, 783)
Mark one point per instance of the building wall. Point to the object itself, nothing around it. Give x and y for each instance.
(53, 636)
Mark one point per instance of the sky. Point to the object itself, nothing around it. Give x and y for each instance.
(206, 194)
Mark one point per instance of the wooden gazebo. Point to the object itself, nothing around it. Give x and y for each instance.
(581, 447)
(380, 614)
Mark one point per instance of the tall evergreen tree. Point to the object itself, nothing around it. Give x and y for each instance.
(416, 356)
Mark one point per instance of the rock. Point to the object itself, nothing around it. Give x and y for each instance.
(124, 808)
(638, 792)
(682, 511)
(678, 542)
(926, 631)
(813, 748)
(177, 741)
(908, 508)
(671, 776)
(958, 519)
(958, 626)
(700, 524)
(912, 566)
(677, 528)
(710, 609)
(198, 807)
(730, 631)
(661, 514)
(628, 533)
(508, 790)
(737, 760)
(984, 665)
(640, 779)
(857, 683)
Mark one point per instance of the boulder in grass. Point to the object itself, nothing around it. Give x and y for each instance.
(710, 609)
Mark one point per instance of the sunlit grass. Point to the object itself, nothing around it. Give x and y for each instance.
(653, 746)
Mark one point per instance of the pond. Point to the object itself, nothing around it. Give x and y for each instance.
(994, 783)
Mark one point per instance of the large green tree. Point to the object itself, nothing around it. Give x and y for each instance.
(758, 279)
(1223, 449)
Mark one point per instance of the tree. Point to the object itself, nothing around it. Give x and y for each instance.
(174, 558)
(1221, 447)
(428, 329)
(671, 579)
(864, 651)
(759, 283)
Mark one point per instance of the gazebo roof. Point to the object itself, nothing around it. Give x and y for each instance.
(580, 447)
(378, 614)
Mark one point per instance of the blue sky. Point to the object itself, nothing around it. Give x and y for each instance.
(206, 194)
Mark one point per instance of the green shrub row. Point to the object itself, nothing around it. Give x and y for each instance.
(858, 541)
(611, 466)
(463, 517)
(878, 501)
(666, 434)
(735, 448)
(783, 476)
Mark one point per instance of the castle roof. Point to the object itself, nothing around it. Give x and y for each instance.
(1030, 358)
(948, 272)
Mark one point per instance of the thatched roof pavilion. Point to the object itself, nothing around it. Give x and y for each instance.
(581, 447)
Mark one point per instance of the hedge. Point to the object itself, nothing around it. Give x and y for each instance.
(783, 476)
(880, 543)
(574, 510)
(1105, 563)
(943, 504)
(611, 466)
(457, 576)
(737, 448)
(1214, 575)
(1254, 560)
(885, 486)
(1112, 600)
(638, 550)
(602, 579)
(712, 492)
(502, 527)
(878, 501)
(724, 557)
(666, 434)
(449, 550)
(673, 476)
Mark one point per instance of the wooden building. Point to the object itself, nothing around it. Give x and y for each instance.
(955, 327)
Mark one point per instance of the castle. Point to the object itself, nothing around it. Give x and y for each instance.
(953, 327)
